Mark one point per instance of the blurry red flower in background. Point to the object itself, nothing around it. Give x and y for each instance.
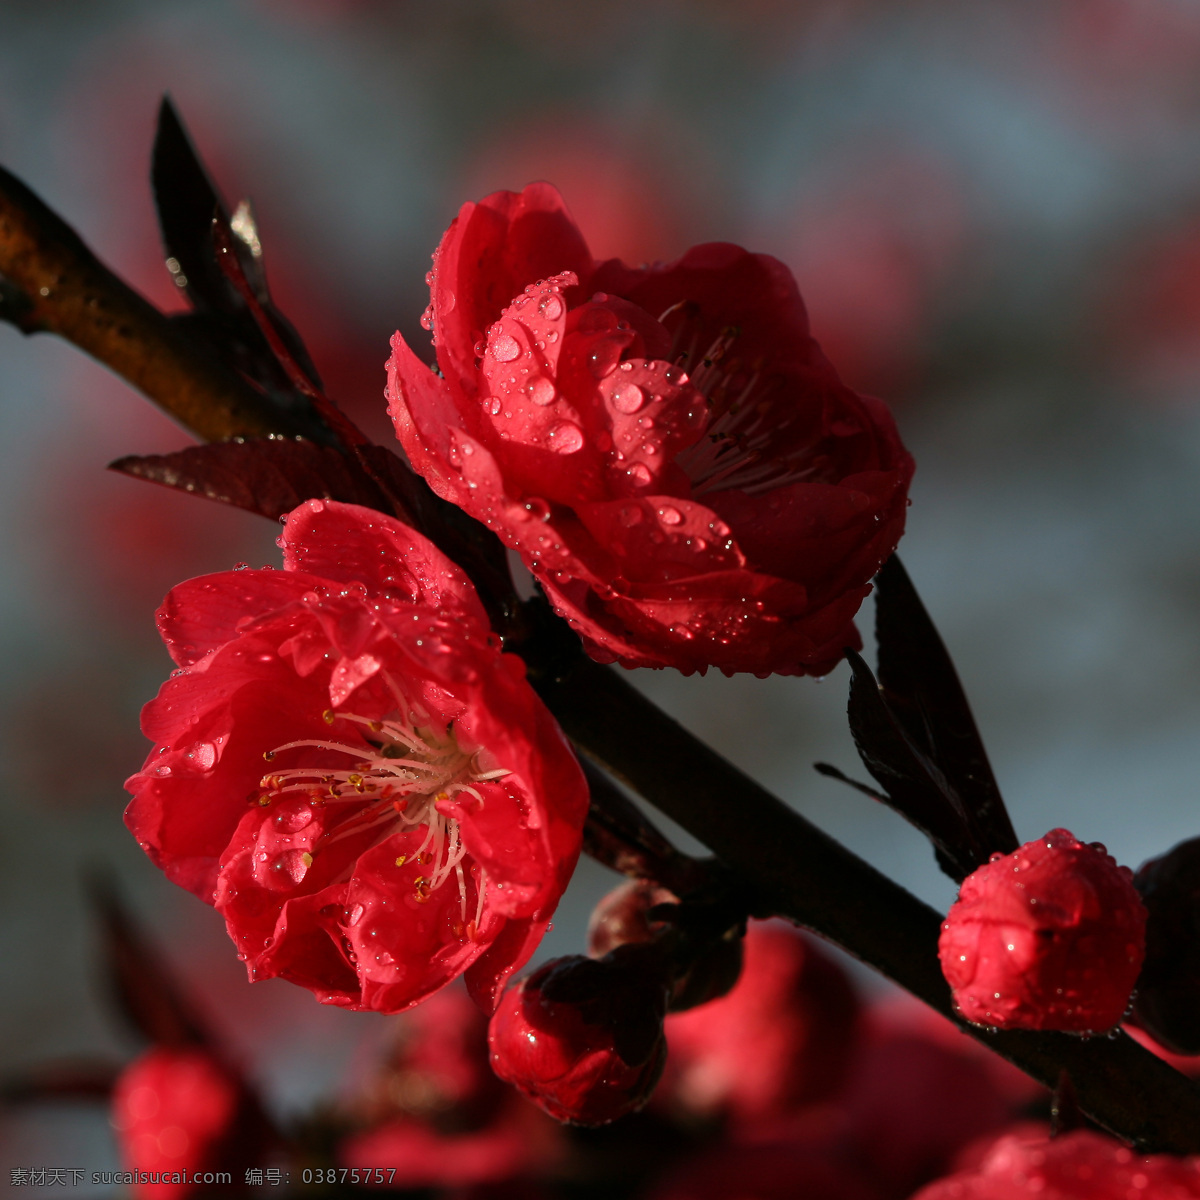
(782, 1038)
(175, 1110)
(436, 1115)
(673, 457)
(1051, 936)
(1076, 1166)
(418, 812)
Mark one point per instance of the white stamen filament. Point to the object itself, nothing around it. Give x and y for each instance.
(398, 780)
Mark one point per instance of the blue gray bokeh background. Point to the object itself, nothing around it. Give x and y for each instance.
(993, 211)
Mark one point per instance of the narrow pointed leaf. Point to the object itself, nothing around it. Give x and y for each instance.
(268, 476)
(189, 209)
(914, 786)
(140, 981)
(923, 692)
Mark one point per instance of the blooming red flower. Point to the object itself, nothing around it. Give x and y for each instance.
(780, 1039)
(1077, 1166)
(1048, 937)
(666, 447)
(174, 1111)
(583, 1037)
(352, 773)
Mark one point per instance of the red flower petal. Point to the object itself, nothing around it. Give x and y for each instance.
(673, 458)
(362, 784)
(1049, 937)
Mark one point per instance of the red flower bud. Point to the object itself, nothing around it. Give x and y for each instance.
(1048, 937)
(1077, 1166)
(174, 1111)
(583, 1037)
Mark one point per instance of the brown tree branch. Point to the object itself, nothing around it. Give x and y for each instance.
(51, 282)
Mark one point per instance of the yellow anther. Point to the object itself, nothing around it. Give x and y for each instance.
(269, 755)
(306, 859)
(401, 860)
(329, 716)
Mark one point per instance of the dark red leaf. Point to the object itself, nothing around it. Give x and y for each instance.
(269, 476)
(913, 785)
(141, 983)
(922, 691)
(189, 209)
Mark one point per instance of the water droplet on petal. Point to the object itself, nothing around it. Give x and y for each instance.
(628, 398)
(542, 391)
(504, 347)
(640, 474)
(551, 308)
(669, 516)
(565, 438)
(292, 821)
(355, 915)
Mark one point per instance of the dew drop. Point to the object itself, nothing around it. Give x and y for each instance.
(492, 406)
(202, 755)
(551, 308)
(565, 438)
(542, 391)
(639, 473)
(355, 915)
(628, 398)
(294, 820)
(504, 347)
(669, 516)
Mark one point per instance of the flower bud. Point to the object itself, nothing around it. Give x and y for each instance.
(1168, 999)
(583, 1038)
(175, 1110)
(1048, 937)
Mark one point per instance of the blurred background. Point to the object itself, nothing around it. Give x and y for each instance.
(993, 211)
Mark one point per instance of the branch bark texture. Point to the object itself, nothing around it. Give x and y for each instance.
(51, 282)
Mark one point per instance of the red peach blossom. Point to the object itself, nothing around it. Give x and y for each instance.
(1076, 1166)
(666, 447)
(352, 773)
(782, 1038)
(1051, 936)
(174, 1111)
